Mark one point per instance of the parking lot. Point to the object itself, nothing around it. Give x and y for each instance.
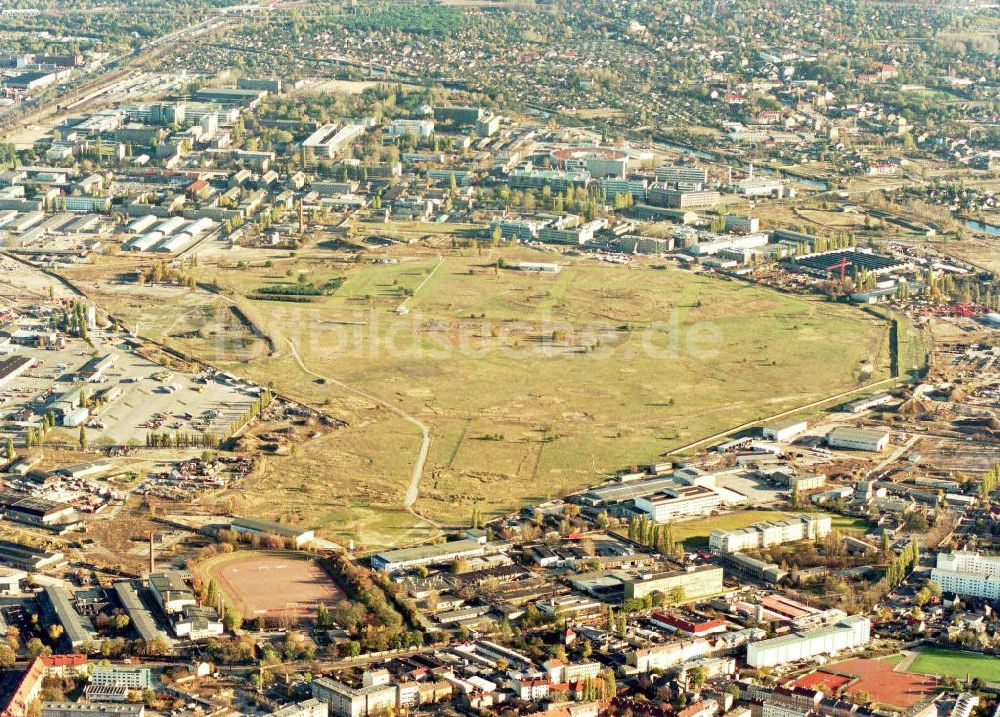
(151, 398)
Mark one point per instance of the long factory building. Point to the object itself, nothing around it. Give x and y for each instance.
(770, 532)
(849, 632)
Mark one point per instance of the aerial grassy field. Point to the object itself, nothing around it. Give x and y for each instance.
(694, 533)
(530, 385)
(846, 524)
(955, 663)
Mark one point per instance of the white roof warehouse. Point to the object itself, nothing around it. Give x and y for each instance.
(407, 558)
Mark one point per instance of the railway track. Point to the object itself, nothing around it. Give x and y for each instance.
(83, 96)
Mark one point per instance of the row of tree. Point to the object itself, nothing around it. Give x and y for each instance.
(179, 439)
(34, 437)
(601, 687)
(653, 535)
(256, 408)
(369, 614)
(989, 480)
(900, 566)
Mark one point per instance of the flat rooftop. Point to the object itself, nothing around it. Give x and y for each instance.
(425, 552)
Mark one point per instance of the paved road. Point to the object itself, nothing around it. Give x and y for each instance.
(114, 71)
(894, 456)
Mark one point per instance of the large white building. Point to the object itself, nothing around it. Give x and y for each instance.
(330, 139)
(858, 439)
(685, 174)
(681, 501)
(770, 532)
(849, 632)
(422, 128)
(761, 187)
(133, 678)
(965, 572)
(598, 161)
(667, 655)
(785, 430)
(709, 245)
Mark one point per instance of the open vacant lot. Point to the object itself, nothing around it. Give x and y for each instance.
(960, 456)
(955, 663)
(265, 583)
(530, 385)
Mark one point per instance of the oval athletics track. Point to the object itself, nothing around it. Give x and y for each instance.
(268, 584)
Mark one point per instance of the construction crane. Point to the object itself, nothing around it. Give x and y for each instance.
(842, 265)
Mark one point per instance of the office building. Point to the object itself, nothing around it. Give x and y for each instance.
(671, 654)
(488, 126)
(463, 177)
(693, 583)
(133, 678)
(968, 573)
(750, 568)
(682, 500)
(329, 140)
(583, 234)
(613, 186)
(345, 701)
(682, 174)
(84, 203)
(803, 481)
(741, 224)
(770, 532)
(422, 128)
(661, 194)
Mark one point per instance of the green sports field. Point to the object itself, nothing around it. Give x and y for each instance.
(954, 663)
